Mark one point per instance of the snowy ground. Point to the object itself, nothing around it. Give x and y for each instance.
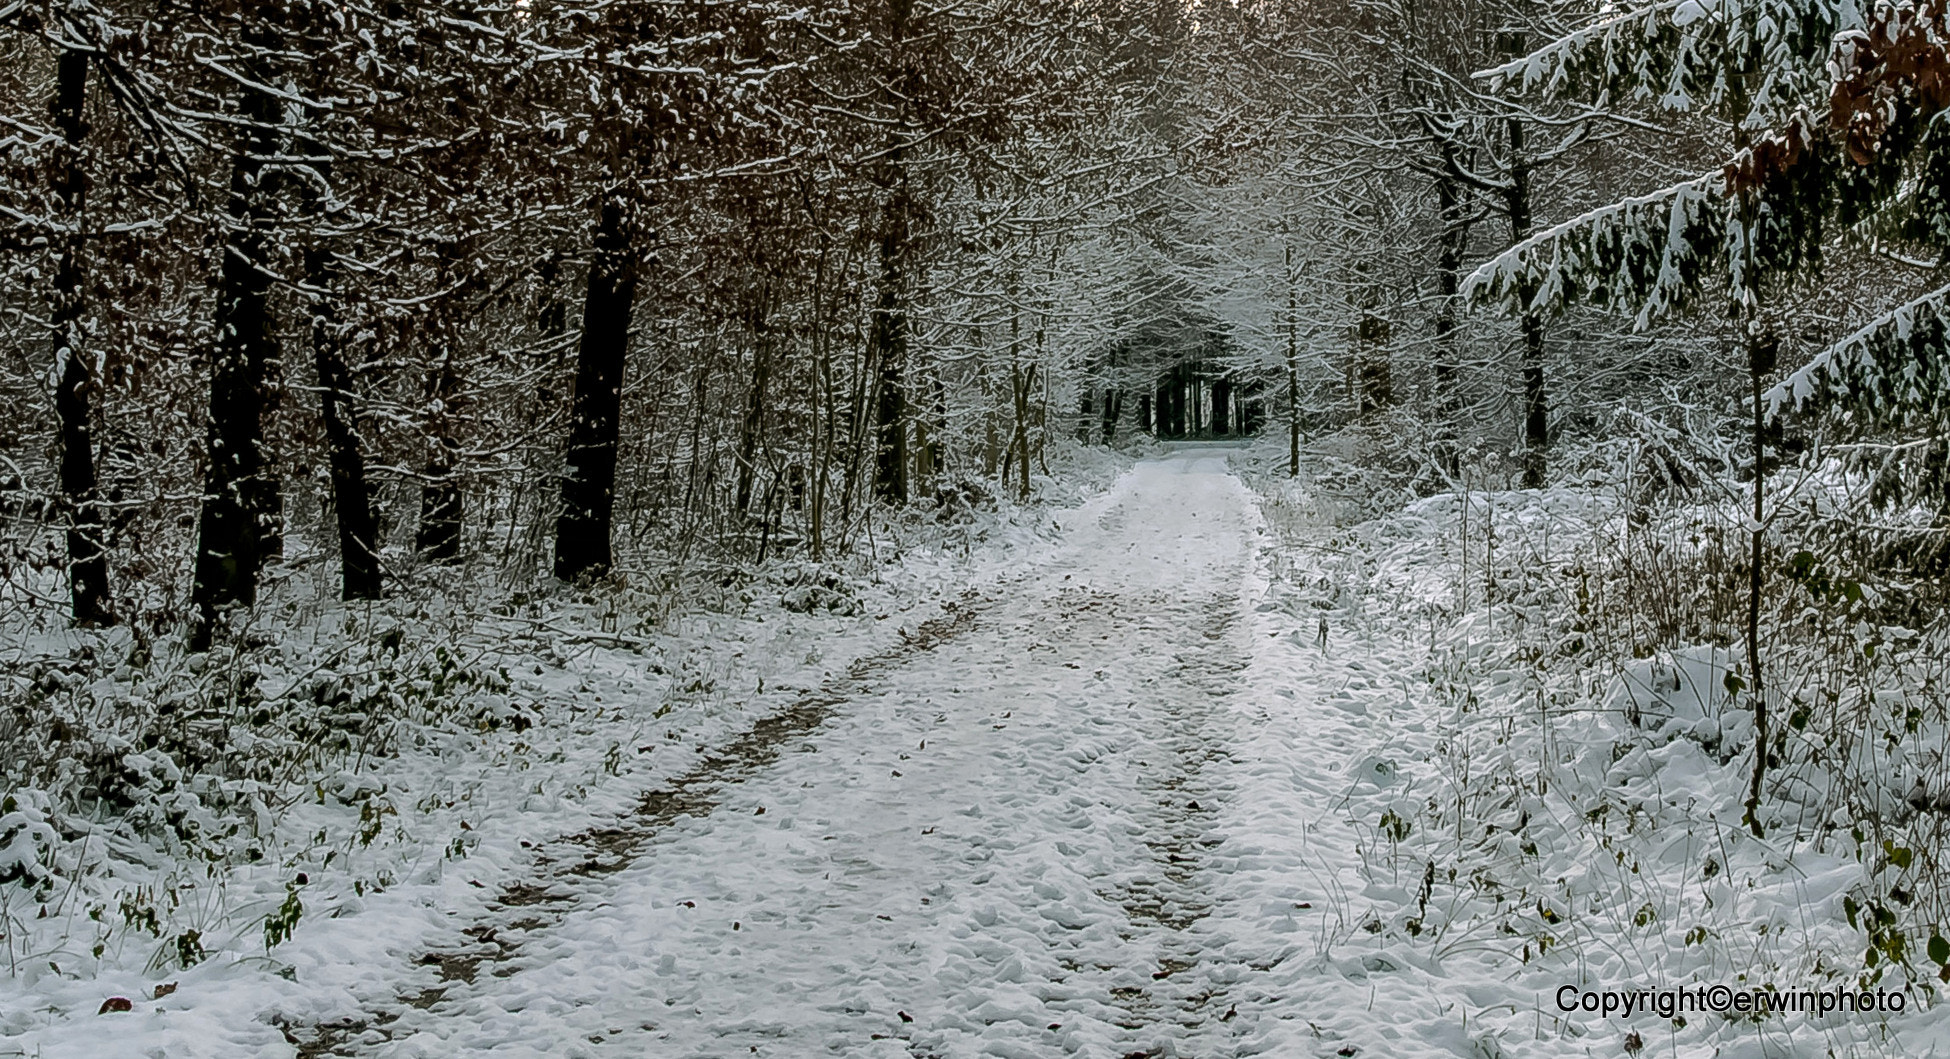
(998, 844)
(1127, 794)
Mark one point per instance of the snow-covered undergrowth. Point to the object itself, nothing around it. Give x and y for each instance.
(273, 825)
(1555, 688)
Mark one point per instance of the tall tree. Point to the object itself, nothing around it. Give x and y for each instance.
(87, 531)
(582, 534)
(239, 496)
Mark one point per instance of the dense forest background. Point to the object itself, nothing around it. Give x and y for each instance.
(558, 289)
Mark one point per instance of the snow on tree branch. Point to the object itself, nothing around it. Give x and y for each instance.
(1757, 59)
(1641, 253)
(1891, 366)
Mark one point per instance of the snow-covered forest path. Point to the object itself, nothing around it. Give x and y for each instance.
(1012, 841)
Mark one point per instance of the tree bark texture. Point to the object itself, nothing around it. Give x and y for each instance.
(889, 347)
(582, 532)
(88, 593)
(239, 500)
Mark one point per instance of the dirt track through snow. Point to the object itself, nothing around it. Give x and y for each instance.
(997, 846)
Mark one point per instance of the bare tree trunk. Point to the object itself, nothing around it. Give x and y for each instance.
(889, 356)
(1042, 408)
(992, 455)
(1761, 351)
(238, 501)
(1021, 384)
(748, 430)
(931, 451)
(1448, 276)
(1372, 370)
(582, 532)
(1025, 381)
(1086, 411)
(822, 433)
(858, 413)
(358, 529)
(437, 538)
(1292, 367)
(87, 535)
(1536, 427)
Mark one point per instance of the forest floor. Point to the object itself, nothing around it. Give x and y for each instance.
(1113, 794)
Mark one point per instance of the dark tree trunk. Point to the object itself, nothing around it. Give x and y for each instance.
(1144, 414)
(437, 539)
(1221, 406)
(1448, 274)
(934, 451)
(1536, 426)
(87, 536)
(582, 533)
(552, 318)
(889, 343)
(1292, 366)
(358, 526)
(1113, 409)
(1086, 411)
(992, 456)
(1762, 349)
(239, 500)
(1021, 384)
(1373, 373)
(1448, 269)
(754, 409)
(359, 573)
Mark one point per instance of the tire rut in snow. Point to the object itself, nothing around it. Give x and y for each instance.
(540, 901)
(1174, 900)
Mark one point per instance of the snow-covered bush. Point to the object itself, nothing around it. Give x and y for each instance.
(27, 840)
(1578, 808)
(124, 751)
(809, 588)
